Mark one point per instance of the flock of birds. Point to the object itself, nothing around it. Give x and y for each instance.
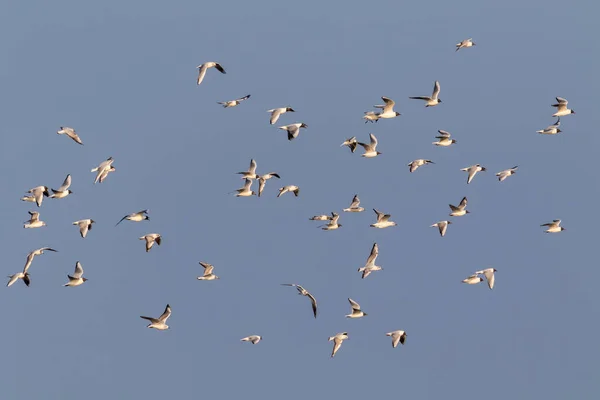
(386, 111)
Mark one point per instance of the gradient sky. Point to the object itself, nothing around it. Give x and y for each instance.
(123, 75)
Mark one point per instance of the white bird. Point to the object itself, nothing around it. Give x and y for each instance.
(233, 103)
(460, 210)
(370, 264)
(304, 292)
(351, 143)
(333, 224)
(290, 188)
(293, 130)
(103, 175)
(70, 132)
(371, 116)
(84, 225)
(356, 311)
(38, 194)
(502, 175)
(444, 139)
(246, 190)
(472, 280)
(473, 170)
(465, 44)
(322, 217)
(254, 339)
(202, 68)
(414, 165)
(489, 276)
(337, 341)
(355, 205)
(276, 113)
(251, 172)
(387, 109)
(35, 253)
(77, 278)
(397, 337)
(383, 220)
(370, 148)
(442, 227)
(552, 129)
(62, 191)
(262, 181)
(554, 226)
(34, 221)
(432, 100)
(150, 239)
(103, 169)
(561, 108)
(160, 322)
(208, 272)
(136, 217)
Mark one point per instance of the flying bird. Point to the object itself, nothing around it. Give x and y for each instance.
(333, 224)
(62, 191)
(70, 132)
(561, 108)
(160, 322)
(370, 264)
(444, 139)
(387, 109)
(489, 276)
(84, 225)
(465, 44)
(290, 188)
(233, 103)
(472, 280)
(34, 221)
(397, 337)
(103, 169)
(383, 220)
(432, 100)
(262, 181)
(355, 205)
(473, 170)
(150, 239)
(208, 272)
(77, 278)
(35, 253)
(414, 165)
(293, 130)
(135, 217)
(251, 172)
(552, 129)
(351, 143)
(322, 217)
(19, 275)
(254, 339)
(304, 292)
(337, 341)
(442, 227)
(371, 116)
(554, 226)
(276, 113)
(370, 148)
(502, 175)
(356, 311)
(246, 190)
(202, 68)
(38, 194)
(460, 210)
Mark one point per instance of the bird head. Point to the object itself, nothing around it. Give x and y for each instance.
(290, 109)
(146, 217)
(439, 100)
(84, 279)
(397, 113)
(468, 212)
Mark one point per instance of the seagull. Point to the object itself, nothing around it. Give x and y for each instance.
(103, 176)
(304, 292)
(276, 113)
(254, 339)
(35, 253)
(103, 169)
(251, 172)
(203, 67)
(246, 190)
(370, 264)
(552, 129)
(465, 43)
(233, 103)
(473, 170)
(208, 272)
(489, 276)
(433, 100)
(554, 226)
(561, 108)
(383, 220)
(34, 221)
(444, 139)
(290, 188)
(502, 175)
(293, 129)
(351, 143)
(371, 116)
(442, 227)
(77, 278)
(337, 341)
(85, 225)
(150, 239)
(19, 275)
(371, 148)
(333, 224)
(160, 322)
(62, 191)
(262, 181)
(460, 210)
(397, 337)
(472, 280)
(355, 205)
(388, 108)
(414, 165)
(70, 132)
(136, 217)
(38, 194)
(322, 217)
(356, 311)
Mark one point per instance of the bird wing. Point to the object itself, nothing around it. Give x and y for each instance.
(83, 227)
(201, 73)
(354, 305)
(373, 140)
(389, 104)
(208, 268)
(355, 201)
(243, 98)
(337, 342)
(78, 270)
(436, 90)
(275, 115)
(313, 302)
(122, 220)
(463, 203)
(261, 185)
(66, 184)
(153, 320)
(252, 168)
(373, 255)
(222, 70)
(165, 315)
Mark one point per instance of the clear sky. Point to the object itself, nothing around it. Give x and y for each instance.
(123, 75)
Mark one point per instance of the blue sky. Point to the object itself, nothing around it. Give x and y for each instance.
(123, 74)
